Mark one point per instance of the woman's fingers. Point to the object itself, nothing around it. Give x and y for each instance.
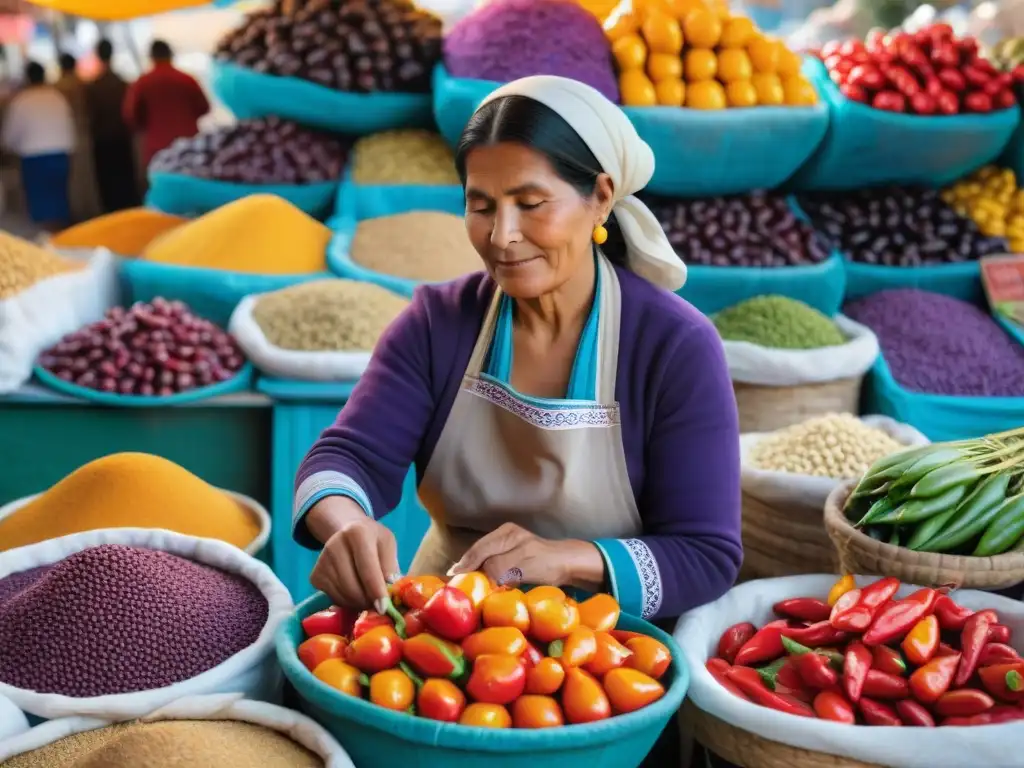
(367, 563)
(496, 542)
(505, 569)
(337, 575)
(387, 550)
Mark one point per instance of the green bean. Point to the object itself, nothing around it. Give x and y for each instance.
(1006, 530)
(978, 511)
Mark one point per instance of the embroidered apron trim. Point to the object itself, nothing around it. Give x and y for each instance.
(572, 415)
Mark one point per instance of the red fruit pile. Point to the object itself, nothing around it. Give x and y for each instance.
(148, 349)
(865, 657)
(930, 72)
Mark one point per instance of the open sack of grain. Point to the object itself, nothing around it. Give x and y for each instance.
(319, 331)
(44, 296)
(786, 477)
(224, 730)
(789, 362)
(116, 623)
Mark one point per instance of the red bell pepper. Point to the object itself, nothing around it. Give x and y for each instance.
(832, 705)
(750, 682)
(765, 645)
(806, 609)
(999, 633)
(914, 713)
(997, 653)
(368, 620)
(440, 700)
(434, 657)
(815, 671)
(1004, 681)
(898, 618)
(822, 633)
(973, 638)
(497, 679)
(951, 615)
(921, 642)
(882, 685)
(377, 650)
(330, 621)
(856, 664)
(932, 680)
(877, 713)
(886, 659)
(964, 702)
(450, 613)
(719, 669)
(734, 638)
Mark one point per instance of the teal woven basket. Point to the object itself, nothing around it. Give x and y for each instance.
(184, 195)
(251, 94)
(865, 146)
(240, 382)
(384, 739)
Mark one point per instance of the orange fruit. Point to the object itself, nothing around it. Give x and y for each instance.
(671, 92)
(630, 52)
(680, 8)
(621, 23)
(662, 33)
(769, 89)
(733, 64)
(798, 92)
(764, 53)
(737, 31)
(636, 89)
(664, 66)
(706, 94)
(789, 62)
(741, 93)
(702, 28)
(700, 64)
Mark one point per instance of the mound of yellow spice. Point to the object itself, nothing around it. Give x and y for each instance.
(258, 234)
(130, 490)
(126, 233)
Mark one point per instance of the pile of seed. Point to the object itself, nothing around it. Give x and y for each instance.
(403, 157)
(327, 315)
(836, 445)
(428, 246)
(115, 619)
(23, 264)
(778, 322)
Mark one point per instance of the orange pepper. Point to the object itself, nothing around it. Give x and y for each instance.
(599, 612)
(497, 679)
(649, 656)
(341, 676)
(377, 650)
(545, 677)
(629, 690)
(537, 594)
(840, 588)
(623, 635)
(392, 689)
(475, 585)
(577, 649)
(536, 712)
(506, 608)
(921, 642)
(486, 716)
(313, 652)
(553, 619)
(610, 654)
(440, 700)
(583, 699)
(507, 640)
(414, 591)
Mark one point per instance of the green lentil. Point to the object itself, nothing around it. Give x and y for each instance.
(778, 322)
(403, 157)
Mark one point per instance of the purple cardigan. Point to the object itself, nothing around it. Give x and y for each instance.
(679, 429)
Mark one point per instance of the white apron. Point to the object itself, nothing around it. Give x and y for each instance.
(554, 467)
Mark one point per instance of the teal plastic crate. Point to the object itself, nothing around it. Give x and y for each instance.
(379, 737)
(183, 195)
(301, 411)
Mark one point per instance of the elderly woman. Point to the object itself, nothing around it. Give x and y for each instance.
(572, 420)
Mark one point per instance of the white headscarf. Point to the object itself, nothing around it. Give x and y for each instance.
(623, 155)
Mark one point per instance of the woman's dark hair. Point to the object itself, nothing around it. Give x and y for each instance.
(67, 63)
(34, 73)
(522, 120)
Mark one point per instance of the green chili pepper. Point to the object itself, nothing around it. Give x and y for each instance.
(1004, 531)
(925, 464)
(940, 480)
(978, 511)
(876, 510)
(915, 510)
(928, 529)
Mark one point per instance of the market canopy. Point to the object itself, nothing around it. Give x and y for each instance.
(121, 10)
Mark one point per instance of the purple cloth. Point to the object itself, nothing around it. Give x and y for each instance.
(679, 426)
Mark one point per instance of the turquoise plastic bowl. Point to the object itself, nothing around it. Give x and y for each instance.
(183, 195)
(1010, 327)
(378, 737)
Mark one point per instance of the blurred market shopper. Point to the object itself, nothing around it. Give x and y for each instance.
(113, 151)
(39, 129)
(570, 417)
(82, 181)
(164, 104)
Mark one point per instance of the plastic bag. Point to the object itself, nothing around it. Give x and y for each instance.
(184, 195)
(754, 364)
(289, 363)
(784, 489)
(253, 671)
(40, 315)
(295, 725)
(698, 631)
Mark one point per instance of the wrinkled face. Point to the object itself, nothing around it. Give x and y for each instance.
(532, 229)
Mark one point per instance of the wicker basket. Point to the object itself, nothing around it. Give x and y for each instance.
(765, 409)
(784, 542)
(859, 553)
(748, 750)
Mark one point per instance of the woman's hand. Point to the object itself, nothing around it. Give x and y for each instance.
(512, 555)
(359, 557)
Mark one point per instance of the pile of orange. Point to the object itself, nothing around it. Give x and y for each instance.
(697, 54)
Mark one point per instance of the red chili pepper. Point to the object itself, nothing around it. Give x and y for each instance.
(922, 641)
(997, 653)
(822, 633)
(945, 649)
(896, 619)
(875, 595)
(765, 645)
(750, 682)
(972, 640)
(832, 705)
(847, 615)
(803, 609)
(414, 623)
(434, 657)
(882, 685)
(369, 620)
(965, 702)
(815, 671)
(450, 613)
(951, 615)
(1004, 681)
(734, 638)
(877, 713)
(719, 669)
(780, 668)
(999, 633)
(932, 680)
(856, 664)
(886, 659)
(330, 621)
(991, 717)
(913, 713)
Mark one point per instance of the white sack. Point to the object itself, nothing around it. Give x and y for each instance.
(754, 364)
(290, 363)
(781, 489)
(300, 728)
(12, 721)
(699, 630)
(253, 671)
(41, 315)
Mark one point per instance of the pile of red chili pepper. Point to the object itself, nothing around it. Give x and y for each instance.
(468, 652)
(864, 656)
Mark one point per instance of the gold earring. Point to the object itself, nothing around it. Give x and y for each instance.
(600, 234)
